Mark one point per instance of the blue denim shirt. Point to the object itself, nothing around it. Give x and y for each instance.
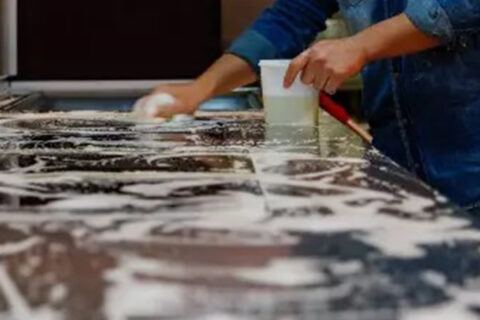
(424, 109)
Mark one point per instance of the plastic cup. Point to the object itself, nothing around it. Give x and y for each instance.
(297, 105)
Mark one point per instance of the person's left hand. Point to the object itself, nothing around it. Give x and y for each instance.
(327, 64)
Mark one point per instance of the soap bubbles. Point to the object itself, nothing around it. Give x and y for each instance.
(150, 106)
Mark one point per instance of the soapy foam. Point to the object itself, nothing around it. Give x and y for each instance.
(20, 310)
(392, 235)
(14, 248)
(151, 105)
(291, 273)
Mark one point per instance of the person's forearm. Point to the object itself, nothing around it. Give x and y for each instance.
(394, 37)
(226, 74)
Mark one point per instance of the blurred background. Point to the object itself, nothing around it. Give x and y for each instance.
(124, 39)
(237, 15)
(139, 42)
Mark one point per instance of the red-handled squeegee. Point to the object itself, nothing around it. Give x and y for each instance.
(339, 113)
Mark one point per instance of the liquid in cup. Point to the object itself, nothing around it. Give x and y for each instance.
(297, 105)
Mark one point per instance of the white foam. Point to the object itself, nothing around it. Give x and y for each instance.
(127, 298)
(435, 279)
(19, 307)
(287, 273)
(11, 248)
(346, 268)
(58, 293)
(99, 202)
(165, 189)
(150, 106)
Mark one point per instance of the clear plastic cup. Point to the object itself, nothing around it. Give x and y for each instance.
(297, 105)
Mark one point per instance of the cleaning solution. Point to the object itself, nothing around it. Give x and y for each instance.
(297, 105)
(294, 110)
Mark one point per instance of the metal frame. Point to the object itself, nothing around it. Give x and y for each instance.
(96, 89)
(93, 88)
(9, 43)
(2, 36)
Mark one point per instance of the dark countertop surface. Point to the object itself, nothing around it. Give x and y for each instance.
(107, 217)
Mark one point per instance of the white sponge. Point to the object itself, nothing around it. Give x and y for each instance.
(150, 106)
(183, 118)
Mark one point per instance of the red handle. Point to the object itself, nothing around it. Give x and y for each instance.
(339, 113)
(334, 109)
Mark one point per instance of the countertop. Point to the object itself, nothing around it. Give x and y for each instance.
(103, 216)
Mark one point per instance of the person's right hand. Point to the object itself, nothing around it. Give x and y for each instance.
(227, 73)
(188, 97)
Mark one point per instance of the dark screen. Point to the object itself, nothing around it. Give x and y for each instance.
(117, 39)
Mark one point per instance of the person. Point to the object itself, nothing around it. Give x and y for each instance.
(420, 62)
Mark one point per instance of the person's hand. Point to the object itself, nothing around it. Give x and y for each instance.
(327, 64)
(188, 97)
(227, 73)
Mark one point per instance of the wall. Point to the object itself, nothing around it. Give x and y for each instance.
(237, 15)
(117, 39)
(2, 45)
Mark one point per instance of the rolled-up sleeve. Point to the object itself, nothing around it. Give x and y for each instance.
(445, 19)
(283, 30)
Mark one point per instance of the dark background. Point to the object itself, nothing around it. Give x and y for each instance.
(117, 39)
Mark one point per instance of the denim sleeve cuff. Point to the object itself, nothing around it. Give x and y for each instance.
(253, 47)
(430, 18)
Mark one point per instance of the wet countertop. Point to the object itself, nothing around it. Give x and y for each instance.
(106, 217)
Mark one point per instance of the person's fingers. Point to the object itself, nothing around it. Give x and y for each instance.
(309, 74)
(167, 111)
(171, 88)
(297, 65)
(149, 108)
(332, 85)
(321, 79)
